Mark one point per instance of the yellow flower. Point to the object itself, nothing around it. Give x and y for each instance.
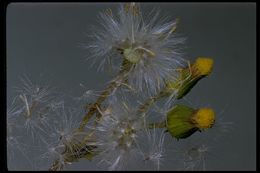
(204, 118)
(188, 77)
(183, 121)
(203, 65)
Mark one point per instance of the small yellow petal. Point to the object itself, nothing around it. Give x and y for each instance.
(204, 118)
(203, 65)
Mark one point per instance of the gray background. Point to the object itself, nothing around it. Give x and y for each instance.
(44, 39)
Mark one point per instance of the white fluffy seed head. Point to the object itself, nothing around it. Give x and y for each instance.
(151, 147)
(30, 92)
(116, 133)
(150, 44)
(65, 127)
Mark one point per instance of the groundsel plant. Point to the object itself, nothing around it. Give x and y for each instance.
(148, 44)
(114, 126)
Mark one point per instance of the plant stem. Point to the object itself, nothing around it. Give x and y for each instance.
(68, 157)
(93, 108)
(148, 103)
(122, 77)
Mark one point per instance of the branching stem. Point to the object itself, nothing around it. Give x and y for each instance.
(122, 76)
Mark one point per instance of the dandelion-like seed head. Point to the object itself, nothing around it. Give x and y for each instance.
(66, 123)
(120, 131)
(116, 133)
(151, 147)
(150, 45)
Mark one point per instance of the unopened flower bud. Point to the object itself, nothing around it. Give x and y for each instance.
(188, 77)
(183, 121)
(202, 66)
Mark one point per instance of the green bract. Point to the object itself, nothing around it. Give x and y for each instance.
(188, 77)
(178, 122)
(184, 84)
(132, 55)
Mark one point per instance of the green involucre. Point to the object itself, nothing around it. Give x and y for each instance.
(178, 122)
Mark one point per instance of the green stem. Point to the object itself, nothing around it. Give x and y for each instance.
(149, 102)
(93, 108)
(122, 76)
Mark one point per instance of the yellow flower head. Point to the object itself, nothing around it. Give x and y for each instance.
(204, 118)
(203, 65)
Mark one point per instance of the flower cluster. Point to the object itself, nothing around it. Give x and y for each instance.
(116, 126)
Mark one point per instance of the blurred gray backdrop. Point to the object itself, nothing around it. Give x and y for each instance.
(44, 38)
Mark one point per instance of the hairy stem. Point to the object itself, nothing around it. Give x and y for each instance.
(93, 108)
(149, 102)
(81, 149)
(122, 76)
